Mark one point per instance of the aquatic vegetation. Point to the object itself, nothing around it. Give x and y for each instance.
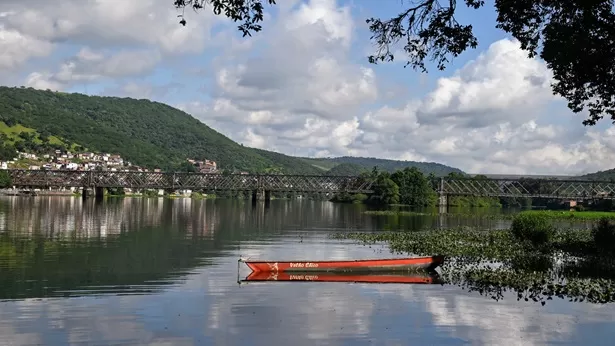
(547, 263)
(533, 228)
(603, 235)
(435, 214)
(571, 215)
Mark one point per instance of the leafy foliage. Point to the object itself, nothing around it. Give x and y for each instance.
(574, 35)
(431, 27)
(144, 132)
(250, 12)
(7, 152)
(386, 191)
(5, 179)
(603, 235)
(414, 188)
(583, 272)
(534, 228)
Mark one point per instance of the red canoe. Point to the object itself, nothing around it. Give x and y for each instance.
(415, 278)
(367, 265)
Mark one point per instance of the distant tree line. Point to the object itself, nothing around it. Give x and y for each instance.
(411, 187)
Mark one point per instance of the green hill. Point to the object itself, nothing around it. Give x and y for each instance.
(346, 169)
(144, 132)
(367, 163)
(607, 175)
(150, 134)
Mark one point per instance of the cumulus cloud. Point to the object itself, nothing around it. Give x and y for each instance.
(300, 87)
(18, 47)
(108, 23)
(91, 66)
(303, 94)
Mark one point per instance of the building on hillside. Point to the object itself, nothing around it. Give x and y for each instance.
(205, 166)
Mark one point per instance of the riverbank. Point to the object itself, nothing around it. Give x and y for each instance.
(532, 259)
(550, 214)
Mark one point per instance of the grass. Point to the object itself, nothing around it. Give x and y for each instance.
(482, 215)
(550, 214)
(581, 215)
(12, 132)
(12, 135)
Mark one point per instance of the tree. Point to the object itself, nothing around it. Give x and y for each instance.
(576, 39)
(5, 180)
(250, 12)
(414, 187)
(385, 190)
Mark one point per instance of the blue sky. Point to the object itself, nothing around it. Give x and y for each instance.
(303, 85)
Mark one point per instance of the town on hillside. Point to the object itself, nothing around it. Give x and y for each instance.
(89, 161)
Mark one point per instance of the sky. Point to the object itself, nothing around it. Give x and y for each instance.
(303, 86)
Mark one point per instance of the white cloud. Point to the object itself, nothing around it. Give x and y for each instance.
(300, 87)
(109, 23)
(17, 48)
(91, 66)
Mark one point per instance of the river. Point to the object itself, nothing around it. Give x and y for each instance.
(164, 272)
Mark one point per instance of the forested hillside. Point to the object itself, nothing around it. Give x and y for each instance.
(608, 175)
(368, 163)
(346, 169)
(144, 132)
(152, 134)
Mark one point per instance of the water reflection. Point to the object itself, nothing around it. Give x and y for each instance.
(174, 262)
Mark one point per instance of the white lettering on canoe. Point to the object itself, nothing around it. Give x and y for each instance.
(304, 277)
(304, 265)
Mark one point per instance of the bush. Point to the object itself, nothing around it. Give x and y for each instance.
(359, 198)
(534, 228)
(5, 179)
(603, 234)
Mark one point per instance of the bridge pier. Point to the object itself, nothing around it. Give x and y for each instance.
(85, 193)
(99, 193)
(261, 195)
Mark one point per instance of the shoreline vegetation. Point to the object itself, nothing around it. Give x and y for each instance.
(533, 259)
(549, 214)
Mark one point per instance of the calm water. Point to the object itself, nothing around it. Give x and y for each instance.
(164, 272)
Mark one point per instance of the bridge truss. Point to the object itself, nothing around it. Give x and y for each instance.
(192, 181)
(517, 188)
(524, 187)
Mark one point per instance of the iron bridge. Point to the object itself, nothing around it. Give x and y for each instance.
(518, 187)
(188, 181)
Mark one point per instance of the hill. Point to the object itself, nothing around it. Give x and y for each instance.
(607, 175)
(368, 163)
(150, 134)
(346, 169)
(144, 132)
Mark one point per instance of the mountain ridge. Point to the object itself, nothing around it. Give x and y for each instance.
(154, 134)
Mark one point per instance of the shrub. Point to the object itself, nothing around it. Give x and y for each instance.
(534, 228)
(359, 198)
(603, 234)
